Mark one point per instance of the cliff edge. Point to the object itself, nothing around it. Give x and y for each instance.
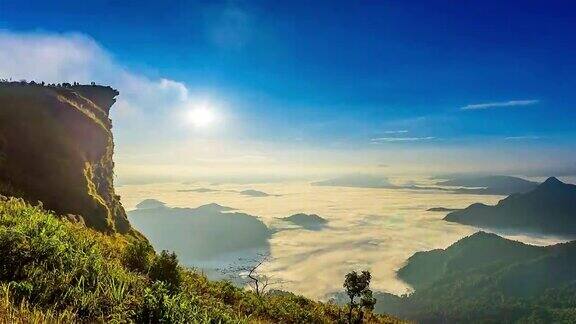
(56, 147)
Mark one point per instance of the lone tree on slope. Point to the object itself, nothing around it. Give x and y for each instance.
(358, 286)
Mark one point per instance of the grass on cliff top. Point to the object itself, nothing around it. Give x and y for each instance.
(56, 271)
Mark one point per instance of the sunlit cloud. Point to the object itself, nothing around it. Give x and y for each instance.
(73, 57)
(500, 104)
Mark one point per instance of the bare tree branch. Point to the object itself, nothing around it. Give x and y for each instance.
(255, 279)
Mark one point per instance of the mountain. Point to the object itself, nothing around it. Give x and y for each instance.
(247, 192)
(197, 234)
(489, 185)
(200, 190)
(150, 203)
(307, 221)
(214, 207)
(486, 278)
(486, 185)
(357, 181)
(56, 147)
(254, 193)
(549, 209)
(442, 209)
(477, 250)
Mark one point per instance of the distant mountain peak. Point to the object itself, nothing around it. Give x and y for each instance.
(150, 203)
(307, 217)
(547, 209)
(553, 185)
(552, 181)
(484, 234)
(214, 207)
(480, 236)
(308, 221)
(254, 193)
(492, 184)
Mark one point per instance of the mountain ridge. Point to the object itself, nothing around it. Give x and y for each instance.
(488, 278)
(492, 184)
(550, 209)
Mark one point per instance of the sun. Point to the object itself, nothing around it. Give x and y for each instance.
(201, 116)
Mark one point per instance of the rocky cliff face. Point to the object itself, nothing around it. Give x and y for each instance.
(56, 147)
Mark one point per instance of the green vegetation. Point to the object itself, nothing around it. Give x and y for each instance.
(487, 278)
(358, 285)
(53, 270)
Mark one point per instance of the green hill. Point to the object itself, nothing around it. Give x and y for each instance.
(486, 278)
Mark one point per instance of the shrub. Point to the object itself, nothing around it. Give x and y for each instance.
(138, 256)
(165, 269)
(153, 308)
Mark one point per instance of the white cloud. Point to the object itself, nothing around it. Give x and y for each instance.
(524, 137)
(401, 139)
(402, 131)
(144, 103)
(510, 103)
(51, 57)
(72, 57)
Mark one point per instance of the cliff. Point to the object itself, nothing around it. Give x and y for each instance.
(56, 147)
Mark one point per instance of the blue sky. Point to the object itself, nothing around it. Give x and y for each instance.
(345, 76)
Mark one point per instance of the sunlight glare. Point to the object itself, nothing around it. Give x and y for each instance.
(201, 116)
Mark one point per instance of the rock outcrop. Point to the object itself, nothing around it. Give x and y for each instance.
(56, 147)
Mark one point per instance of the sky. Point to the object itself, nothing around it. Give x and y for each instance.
(301, 88)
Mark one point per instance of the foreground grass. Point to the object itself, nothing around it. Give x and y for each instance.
(56, 271)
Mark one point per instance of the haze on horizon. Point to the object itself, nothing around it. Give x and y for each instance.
(255, 91)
